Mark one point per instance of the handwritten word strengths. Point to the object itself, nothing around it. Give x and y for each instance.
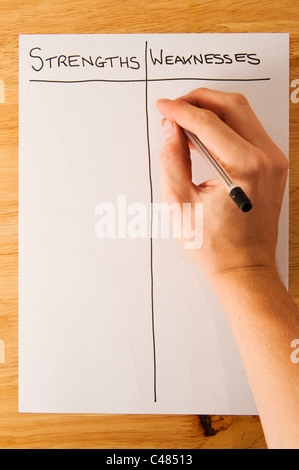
(77, 60)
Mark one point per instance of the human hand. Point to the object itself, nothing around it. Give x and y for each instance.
(233, 241)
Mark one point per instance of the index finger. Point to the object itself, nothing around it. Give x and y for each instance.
(235, 111)
(230, 149)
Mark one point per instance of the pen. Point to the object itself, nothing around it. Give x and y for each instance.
(235, 192)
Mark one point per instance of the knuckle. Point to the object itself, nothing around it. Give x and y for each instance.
(198, 92)
(239, 99)
(201, 90)
(257, 162)
(280, 169)
(262, 165)
(282, 164)
(206, 116)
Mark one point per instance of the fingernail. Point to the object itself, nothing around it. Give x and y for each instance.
(163, 100)
(167, 129)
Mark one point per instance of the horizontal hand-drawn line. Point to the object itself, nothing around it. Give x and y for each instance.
(154, 80)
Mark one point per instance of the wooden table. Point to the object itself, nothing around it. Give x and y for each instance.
(114, 16)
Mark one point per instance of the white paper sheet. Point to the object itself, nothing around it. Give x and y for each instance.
(124, 325)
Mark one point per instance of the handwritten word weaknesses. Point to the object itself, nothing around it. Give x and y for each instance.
(200, 59)
(116, 61)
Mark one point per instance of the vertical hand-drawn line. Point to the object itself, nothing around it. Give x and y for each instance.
(151, 226)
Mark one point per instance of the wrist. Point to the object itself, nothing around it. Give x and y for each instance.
(246, 286)
(245, 276)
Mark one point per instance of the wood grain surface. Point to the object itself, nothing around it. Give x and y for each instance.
(126, 16)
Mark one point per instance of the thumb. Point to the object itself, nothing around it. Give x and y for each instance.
(175, 165)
